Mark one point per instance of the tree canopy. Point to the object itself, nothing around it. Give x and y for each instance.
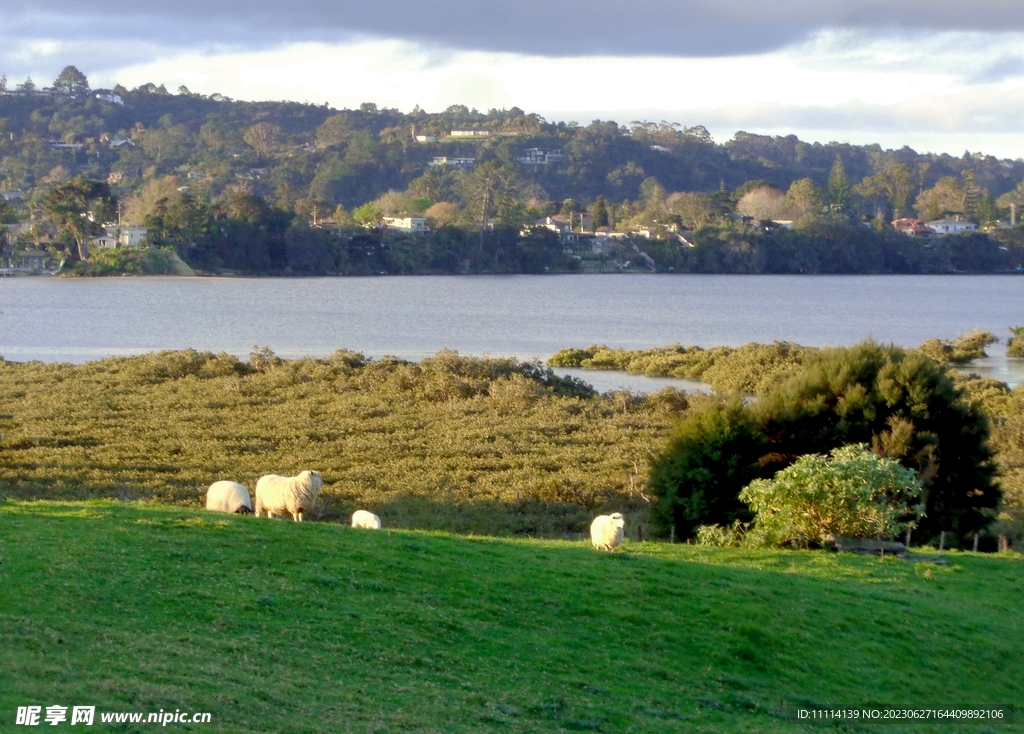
(901, 403)
(71, 82)
(80, 207)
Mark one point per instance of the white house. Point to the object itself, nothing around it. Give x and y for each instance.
(443, 160)
(131, 236)
(406, 224)
(470, 133)
(125, 236)
(951, 226)
(425, 138)
(537, 156)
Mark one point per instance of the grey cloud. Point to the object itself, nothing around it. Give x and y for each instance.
(560, 28)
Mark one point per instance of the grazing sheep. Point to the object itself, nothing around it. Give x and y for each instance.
(606, 531)
(364, 519)
(227, 496)
(291, 495)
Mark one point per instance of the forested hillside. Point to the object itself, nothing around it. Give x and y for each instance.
(283, 186)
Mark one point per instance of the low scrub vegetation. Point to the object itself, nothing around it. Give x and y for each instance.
(463, 444)
(508, 448)
(753, 369)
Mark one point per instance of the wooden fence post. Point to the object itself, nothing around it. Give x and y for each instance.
(942, 540)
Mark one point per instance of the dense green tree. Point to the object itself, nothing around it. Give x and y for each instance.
(893, 184)
(311, 251)
(852, 493)
(541, 251)
(262, 137)
(367, 214)
(837, 192)
(712, 454)
(71, 82)
(599, 216)
(80, 207)
(945, 199)
(803, 198)
(903, 405)
(180, 221)
(695, 209)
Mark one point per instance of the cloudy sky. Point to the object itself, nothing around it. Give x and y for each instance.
(938, 75)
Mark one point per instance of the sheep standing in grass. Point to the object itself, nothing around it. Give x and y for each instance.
(364, 519)
(288, 495)
(606, 531)
(227, 496)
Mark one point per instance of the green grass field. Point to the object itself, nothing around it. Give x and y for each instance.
(315, 627)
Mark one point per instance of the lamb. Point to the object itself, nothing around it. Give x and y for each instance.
(364, 519)
(606, 531)
(291, 495)
(227, 496)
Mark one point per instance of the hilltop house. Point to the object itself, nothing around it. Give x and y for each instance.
(912, 227)
(539, 157)
(109, 97)
(565, 226)
(443, 160)
(406, 224)
(951, 226)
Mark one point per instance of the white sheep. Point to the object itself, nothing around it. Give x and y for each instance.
(227, 496)
(364, 519)
(291, 495)
(606, 531)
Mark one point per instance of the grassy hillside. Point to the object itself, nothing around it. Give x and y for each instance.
(315, 627)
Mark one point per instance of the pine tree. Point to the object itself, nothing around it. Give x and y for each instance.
(71, 82)
(972, 195)
(600, 213)
(837, 192)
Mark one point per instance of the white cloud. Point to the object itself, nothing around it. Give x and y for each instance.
(941, 91)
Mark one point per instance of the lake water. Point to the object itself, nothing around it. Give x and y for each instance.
(76, 320)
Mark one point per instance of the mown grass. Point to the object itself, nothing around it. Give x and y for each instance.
(316, 627)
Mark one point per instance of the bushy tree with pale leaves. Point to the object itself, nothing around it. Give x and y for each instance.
(851, 492)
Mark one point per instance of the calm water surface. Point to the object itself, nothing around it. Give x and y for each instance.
(76, 320)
